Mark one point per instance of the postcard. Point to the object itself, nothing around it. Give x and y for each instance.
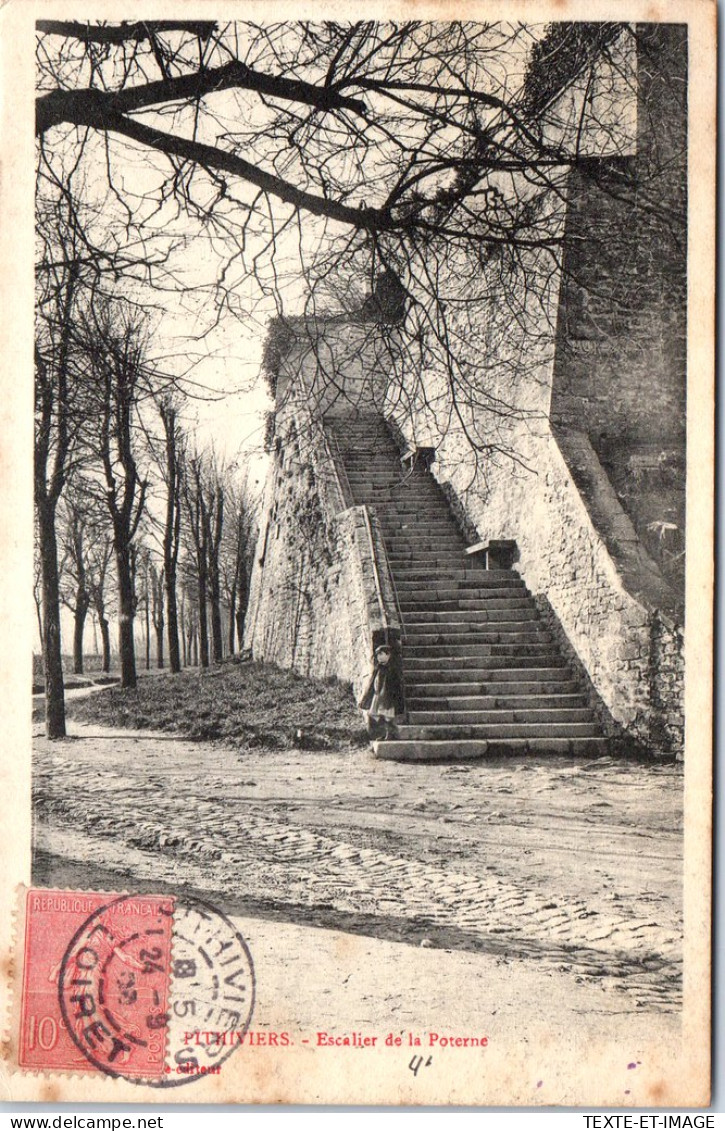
(357, 449)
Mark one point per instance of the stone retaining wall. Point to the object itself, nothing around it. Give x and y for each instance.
(320, 590)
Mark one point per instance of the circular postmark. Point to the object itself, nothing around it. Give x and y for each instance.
(157, 990)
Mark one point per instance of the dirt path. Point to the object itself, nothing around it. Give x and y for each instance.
(559, 875)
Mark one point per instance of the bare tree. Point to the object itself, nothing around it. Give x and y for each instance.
(56, 379)
(114, 345)
(76, 593)
(431, 151)
(157, 611)
(316, 91)
(189, 614)
(197, 529)
(99, 565)
(236, 556)
(173, 476)
(141, 569)
(37, 586)
(215, 490)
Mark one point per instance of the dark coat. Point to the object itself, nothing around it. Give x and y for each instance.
(384, 691)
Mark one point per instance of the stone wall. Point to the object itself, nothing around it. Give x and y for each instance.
(567, 468)
(621, 345)
(332, 367)
(321, 594)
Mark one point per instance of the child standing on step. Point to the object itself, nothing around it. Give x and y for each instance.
(382, 700)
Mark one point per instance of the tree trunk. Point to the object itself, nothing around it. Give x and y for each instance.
(172, 626)
(182, 632)
(203, 623)
(160, 644)
(39, 615)
(215, 599)
(79, 622)
(106, 643)
(52, 658)
(241, 614)
(172, 529)
(232, 612)
(195, 650)
(148, 630)
(126, 648)
(243, 602)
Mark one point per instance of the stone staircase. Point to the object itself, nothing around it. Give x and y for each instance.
(483, 676)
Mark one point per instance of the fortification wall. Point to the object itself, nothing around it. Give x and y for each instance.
(318, 597)
(332, 367)
(308, 608)
(580, 428)
(622, 333)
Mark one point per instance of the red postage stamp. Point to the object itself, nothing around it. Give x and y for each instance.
(96, 980)
(119, 983)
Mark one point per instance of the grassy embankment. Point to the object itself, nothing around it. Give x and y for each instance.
(246, 705)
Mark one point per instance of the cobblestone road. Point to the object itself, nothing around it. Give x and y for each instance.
(574, 866)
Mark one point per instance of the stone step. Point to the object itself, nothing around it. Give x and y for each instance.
(404, 510)
(383, 457)
(448, 750)
(411, 576)
(451, 599)
(532, 633)
(497, 702)
(395, 492)
(478, 584)
(441, 560)
(379, 462)
(452, 676)
(500, 730)
(405, 486)
(388, 476)
(423, 607)
(525, 687)
(438, 665)
(450, 549)
(402, 527)
(461, 718)
(431, 563)
(389, 501)
(425, 548)
(411, 538)
(404, 549)
(440, 653)
(349, 440)
(376, 477)
(520, 608)
(507, 620)
(373, 429)
(393, 477)
(417, 543)
(394, 527)
(382, 444)
(455, 624)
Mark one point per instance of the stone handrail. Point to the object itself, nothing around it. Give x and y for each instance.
(334, 455)
(386, 594)
(382, 574)
(392, 627)
(378, 553)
